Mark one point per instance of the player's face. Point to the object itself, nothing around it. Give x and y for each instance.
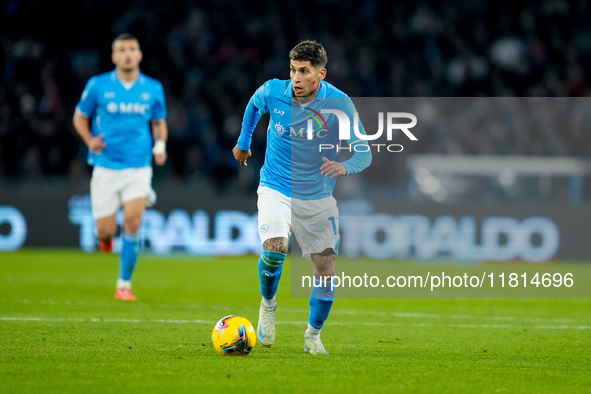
(126, 55)
(305, 78)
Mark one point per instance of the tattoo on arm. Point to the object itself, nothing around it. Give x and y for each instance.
(278, 244)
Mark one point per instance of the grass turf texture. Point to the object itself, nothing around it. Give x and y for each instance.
(62, 331)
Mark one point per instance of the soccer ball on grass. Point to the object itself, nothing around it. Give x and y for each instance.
(233, 336)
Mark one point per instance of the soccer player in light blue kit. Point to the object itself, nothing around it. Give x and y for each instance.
(297, 180)
(113, 118)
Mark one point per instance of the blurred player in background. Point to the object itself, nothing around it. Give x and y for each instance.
(114, 117)
(297, 181)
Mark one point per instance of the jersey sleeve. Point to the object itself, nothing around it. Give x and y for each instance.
(358, 162)
(362, 157)
(260, 98)
(257, 106)
(159, 107)
(89, 98)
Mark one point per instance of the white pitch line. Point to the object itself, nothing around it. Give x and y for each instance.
(167, 321)
(541, 321)
(181, 321)
(438, 316)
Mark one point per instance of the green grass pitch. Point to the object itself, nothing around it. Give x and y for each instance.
(62, 331)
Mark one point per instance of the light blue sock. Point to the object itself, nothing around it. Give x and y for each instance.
(321, 300)
(270, 267)
(129, 255)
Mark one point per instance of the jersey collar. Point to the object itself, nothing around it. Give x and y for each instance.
(141, 78)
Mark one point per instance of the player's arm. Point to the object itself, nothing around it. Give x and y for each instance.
(251, 118)
(82, 126)
(84, 110)
(254, 110)
(160, 132)
(360, 160)
(357, 163)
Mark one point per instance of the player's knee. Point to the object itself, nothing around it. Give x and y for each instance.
(324, 264)
(326, 271)
(132, 225)
(106, 228)
(278, 244)
(105, 233)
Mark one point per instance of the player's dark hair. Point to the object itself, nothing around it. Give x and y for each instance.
(124, 36)
(311, 51)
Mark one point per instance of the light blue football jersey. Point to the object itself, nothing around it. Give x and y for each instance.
(123, 115)
(292, 160)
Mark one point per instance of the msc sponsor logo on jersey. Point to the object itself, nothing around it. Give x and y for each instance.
(301, 132)
(128, 108)
(321, 133)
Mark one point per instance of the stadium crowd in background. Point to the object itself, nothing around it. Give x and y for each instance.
(211, 55)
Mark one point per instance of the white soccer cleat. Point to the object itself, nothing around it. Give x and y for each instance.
(266, 326)
(313, 345)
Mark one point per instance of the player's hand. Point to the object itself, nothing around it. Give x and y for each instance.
(159, 152)
(160, 159)
(332, 168)
(241, 155)
(96, 144)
